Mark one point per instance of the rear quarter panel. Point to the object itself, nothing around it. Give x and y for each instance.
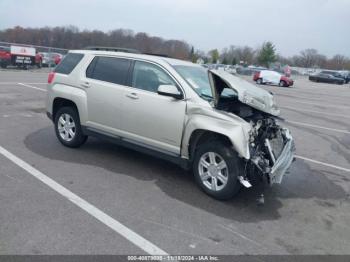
(69, 92)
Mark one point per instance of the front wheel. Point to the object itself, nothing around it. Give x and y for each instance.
(68, 128)
(216, 168)
(259, 81)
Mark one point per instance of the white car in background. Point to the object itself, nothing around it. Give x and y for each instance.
(272, 78)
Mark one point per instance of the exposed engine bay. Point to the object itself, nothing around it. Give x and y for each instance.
(266, 142)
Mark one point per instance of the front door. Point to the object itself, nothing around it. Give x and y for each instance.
(153, 120)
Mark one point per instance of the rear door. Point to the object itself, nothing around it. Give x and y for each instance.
(105, 81)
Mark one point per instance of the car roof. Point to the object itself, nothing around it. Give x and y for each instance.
(153, 58)
(330, 71)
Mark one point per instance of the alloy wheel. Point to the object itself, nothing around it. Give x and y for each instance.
(213, 171)
(66, 127)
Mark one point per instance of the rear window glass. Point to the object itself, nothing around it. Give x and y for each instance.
(109, 69)
(69, 63)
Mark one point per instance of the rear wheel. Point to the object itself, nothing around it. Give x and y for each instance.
(282, 83)
(68, 128)
(216, 168)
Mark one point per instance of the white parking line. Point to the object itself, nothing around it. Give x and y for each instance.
(124, 231)
(321, 127)
(34, 87)
(322, 163)
(15, 83)
(312, 111)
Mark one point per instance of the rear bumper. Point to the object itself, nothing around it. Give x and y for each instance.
(284, 161)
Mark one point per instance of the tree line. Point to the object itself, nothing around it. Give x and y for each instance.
(70, 37)
(267, 54)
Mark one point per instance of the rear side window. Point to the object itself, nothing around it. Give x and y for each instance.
(109, 69)
(69, 63)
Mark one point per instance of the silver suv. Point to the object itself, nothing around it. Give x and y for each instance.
(218, 125)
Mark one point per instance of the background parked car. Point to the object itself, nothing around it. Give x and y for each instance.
(248, 71)
(326, 78)
(338, 74)
(38, 60)
(51, 59)
(5, 56)
(272, 78)
(345, 75)
(21, 56)
(58, 58)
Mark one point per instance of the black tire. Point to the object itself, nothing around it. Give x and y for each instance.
(234, 169)
(282, 83)
(259, 81)
(3, 65)
(79, 138)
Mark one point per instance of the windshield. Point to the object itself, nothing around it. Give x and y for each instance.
(197, 78)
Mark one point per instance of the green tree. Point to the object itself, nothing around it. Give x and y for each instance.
(267, 54)
(214, 55)
(193, 56)
(234, 61)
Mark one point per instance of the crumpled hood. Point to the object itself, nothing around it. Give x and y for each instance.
(248, 93)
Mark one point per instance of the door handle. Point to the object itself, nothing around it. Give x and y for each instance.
(132, 96)
(85, 84)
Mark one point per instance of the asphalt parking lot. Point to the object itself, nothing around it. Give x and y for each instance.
(138, 203)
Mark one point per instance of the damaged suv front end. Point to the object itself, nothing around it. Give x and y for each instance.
(271, 149)
(271, 146)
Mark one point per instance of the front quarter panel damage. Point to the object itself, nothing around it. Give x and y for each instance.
(234, 128)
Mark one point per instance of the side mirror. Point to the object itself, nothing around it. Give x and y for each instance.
(170, 90)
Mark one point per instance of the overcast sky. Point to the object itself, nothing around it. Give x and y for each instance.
(292, 25)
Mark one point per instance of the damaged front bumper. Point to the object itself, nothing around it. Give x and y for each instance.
(285, 159)
(272, 154)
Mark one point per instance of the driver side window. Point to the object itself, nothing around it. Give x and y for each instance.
(149, 77)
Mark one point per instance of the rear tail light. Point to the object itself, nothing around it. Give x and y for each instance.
(51, 77)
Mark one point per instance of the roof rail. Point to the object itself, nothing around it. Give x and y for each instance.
(121, 49)
(113, 49)
(161, 55)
